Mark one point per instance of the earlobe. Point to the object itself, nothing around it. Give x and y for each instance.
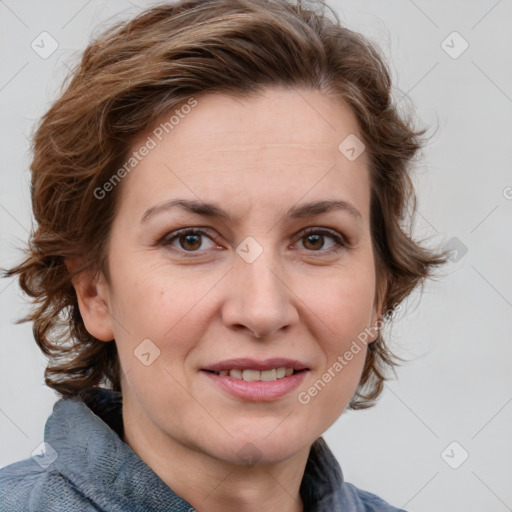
(92, 296)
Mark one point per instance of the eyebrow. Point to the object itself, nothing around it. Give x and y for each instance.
(213, 210)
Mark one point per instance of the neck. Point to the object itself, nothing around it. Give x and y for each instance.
(210, 484)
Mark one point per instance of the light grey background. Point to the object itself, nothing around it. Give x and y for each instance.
(458, 384)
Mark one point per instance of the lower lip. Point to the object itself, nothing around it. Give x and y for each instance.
(257, 391)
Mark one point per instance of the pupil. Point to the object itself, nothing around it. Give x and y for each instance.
(191, 237)
(315, 238)
(194, 240)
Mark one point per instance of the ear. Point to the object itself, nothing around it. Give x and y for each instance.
(93, 300)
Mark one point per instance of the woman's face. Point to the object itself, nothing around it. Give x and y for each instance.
(253, 284)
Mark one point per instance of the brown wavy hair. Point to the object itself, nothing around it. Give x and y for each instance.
(140, 69)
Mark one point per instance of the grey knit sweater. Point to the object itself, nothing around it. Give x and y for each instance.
(88, 467)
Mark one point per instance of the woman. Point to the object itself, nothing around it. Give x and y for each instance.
(220, 194)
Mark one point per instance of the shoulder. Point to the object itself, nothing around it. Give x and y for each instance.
(25, 486)
(364, 501)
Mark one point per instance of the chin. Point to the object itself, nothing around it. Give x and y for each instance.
(269, 448)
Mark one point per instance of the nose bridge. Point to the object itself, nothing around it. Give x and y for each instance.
(262, 278)
(260, 298)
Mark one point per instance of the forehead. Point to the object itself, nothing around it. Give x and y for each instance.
(272, 117)
(279, 145)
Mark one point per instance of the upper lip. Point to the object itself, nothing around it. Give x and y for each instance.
(255, 364)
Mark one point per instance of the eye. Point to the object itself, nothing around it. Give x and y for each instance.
(189, 239)
(314, 240)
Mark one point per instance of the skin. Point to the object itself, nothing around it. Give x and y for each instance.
(202, 303)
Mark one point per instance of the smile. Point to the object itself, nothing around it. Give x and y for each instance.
(257, 381)
(257, 375)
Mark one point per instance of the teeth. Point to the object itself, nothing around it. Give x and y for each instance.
(236, 374)
(256, 375)
(251, 375)
(269, 374)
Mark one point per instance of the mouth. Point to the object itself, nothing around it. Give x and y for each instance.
(252, 375)
(253, 380)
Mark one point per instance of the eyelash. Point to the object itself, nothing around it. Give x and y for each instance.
(339, 240)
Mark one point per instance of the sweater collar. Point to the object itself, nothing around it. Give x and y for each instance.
(87, 431)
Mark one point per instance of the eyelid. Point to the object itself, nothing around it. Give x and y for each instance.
(341, 241)
(168, 238)
(325, 231)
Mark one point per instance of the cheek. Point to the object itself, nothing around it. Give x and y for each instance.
(169, 307)
(343, 305)
(345, 308)
(148, 293)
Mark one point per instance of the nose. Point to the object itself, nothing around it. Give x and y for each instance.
(260, 300)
